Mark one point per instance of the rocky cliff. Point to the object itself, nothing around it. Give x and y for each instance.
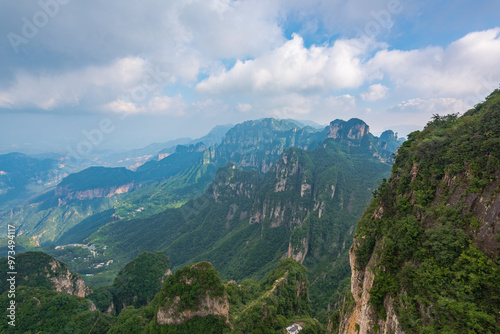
(206, 306)
(37, 269)
(202, 293)
(426, 252)
(303, 208)
(354, 129)
(363, 318)
(66, 281)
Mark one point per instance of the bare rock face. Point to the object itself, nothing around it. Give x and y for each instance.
(484, 206)
(67, 282)
(352, 129)
(298, 253)
(363, 318)
(218, 306)
(40, 270)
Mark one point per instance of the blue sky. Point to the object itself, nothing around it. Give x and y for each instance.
(167, 69)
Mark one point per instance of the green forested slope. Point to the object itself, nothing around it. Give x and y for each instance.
(432, 229)
(155, 186)
(305, 207)
(135, 285)
(193, 300)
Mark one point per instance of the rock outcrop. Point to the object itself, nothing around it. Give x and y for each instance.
(218, 306)
(351, 130)
(207, 294)
(66, 281)
(425, 254)
(40, 270)
(363, 318)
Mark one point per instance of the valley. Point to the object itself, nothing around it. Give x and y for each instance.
(329, 216)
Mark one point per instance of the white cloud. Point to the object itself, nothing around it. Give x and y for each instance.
(289, 106)
(332, 107)
(322, 109)
(227, 29)
(211, 109)
(159, 104)
(189, 34)
(342, 103)
(122, 107)
(167, 105)
(292, 68)
(244, 107)
(48, 91)
(374, 93)
(466, 67)
(431, 106)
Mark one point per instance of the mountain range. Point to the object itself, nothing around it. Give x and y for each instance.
(281, 225)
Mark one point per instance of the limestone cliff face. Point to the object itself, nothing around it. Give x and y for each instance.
(485, 206)
(257, 144)
(298, 252)
(438, 213)
(169, 315)
(288, 176)
(352, 129)
(363, 318)
(66, 281)
(230, 183)
(40, 270)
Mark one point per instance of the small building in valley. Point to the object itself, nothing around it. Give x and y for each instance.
(294, 329)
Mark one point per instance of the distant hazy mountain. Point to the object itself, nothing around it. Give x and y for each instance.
(157, 151)
(22, 176)
(158, 184)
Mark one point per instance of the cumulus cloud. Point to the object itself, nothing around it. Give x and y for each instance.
(93, 59)
(322, 109)
(431, 106)
(292, 68)
(189, 34)
(466, 67)
(342, 103)
(289, 105)
(160, 104)
(374, 93)
(51, 90)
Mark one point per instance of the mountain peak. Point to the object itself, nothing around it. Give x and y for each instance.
(352, 129)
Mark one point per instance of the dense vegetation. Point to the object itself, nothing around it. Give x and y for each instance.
(157, 185)
(432, 227)
(36, 269)
(190, 284)
(40, 310)
(135, 285)
(285, 297)
(247, 221)
(285, 191)
(268, 306)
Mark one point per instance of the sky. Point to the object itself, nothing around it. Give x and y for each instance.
(121, 74)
